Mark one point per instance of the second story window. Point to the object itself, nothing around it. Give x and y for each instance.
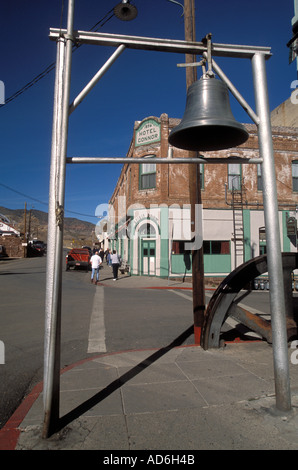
(259, 172)
(202, 175)
(147, 175)
(295, 175)
(234, 176)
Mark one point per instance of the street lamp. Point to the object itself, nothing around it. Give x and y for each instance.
(125, 11)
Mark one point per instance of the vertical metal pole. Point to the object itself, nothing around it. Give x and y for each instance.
(55, 229)
(274, 258)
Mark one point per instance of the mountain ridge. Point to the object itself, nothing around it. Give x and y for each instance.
(76, 232)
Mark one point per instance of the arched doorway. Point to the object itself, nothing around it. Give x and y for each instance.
(147, 249)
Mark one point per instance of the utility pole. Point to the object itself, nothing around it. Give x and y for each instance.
(194, 188)
(25, 229)
(29, 227)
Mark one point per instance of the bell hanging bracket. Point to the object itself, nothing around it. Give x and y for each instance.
(208, 123)
(209, 73)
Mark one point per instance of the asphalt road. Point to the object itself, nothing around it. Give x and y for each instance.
(133, 319)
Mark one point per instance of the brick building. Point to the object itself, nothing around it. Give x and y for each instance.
(149, 216)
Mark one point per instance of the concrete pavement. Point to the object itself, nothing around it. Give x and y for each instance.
(172, 399)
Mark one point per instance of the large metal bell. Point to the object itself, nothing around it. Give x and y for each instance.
(208, 122)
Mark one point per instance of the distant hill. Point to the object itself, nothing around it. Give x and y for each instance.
(76, 232)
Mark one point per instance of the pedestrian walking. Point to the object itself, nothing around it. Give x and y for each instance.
(101, 254)
(115, 259)
(95, 265)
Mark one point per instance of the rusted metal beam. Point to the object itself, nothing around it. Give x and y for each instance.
(252, 321)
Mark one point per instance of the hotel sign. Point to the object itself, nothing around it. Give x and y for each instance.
(148, 133)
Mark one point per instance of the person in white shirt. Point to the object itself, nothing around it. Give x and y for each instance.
(115, 264)
(95, 265)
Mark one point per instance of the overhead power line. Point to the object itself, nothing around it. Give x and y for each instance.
(42, 202)
(52, 66)
(30, 84)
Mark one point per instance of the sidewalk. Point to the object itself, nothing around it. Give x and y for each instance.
(141, 282)
(181, 398)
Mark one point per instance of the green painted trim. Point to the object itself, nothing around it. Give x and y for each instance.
(285, 239)
(217, 263)
(178, 265)
(148, 141)
(164, 241)
(145, 219)
(246, 234)
(202, 172)
(130, 254)
(148, 244)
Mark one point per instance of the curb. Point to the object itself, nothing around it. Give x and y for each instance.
(9, 434)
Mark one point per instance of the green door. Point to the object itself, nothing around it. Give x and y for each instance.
(148, 257)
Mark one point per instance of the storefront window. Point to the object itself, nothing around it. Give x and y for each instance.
(262, 241)
(216, 247)
(178, 247)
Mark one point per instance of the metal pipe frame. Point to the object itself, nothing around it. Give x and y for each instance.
(51, 352)
(96, 78)
(274, 257)
(62, 109)
(162, 45)
(235, 93)
(163, 161)
(51, 389)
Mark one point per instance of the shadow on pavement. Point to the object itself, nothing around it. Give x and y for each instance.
(98, 397)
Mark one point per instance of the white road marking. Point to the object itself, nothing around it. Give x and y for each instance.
(97, 331)
(233, 323)
(188, 297)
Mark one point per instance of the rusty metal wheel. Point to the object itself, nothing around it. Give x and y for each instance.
(223, 302)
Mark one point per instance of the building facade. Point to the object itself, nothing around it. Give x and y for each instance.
(149, 212)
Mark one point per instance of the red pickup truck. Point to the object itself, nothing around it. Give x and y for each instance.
(78, 258)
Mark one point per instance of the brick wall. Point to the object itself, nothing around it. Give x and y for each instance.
(172, 181)
(12, 246)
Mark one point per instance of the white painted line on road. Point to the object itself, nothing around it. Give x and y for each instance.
(188, 297)
(247, 307)
(233, 323)
(97, 331)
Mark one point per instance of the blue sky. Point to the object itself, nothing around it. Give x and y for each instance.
(138, 85)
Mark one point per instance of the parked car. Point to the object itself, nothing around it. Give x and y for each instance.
(78, 258)
(36, 248)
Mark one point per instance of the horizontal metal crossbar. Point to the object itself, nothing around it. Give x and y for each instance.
(168, 161)
(163, 45)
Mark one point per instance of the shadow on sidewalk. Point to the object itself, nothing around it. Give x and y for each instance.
(98, 397)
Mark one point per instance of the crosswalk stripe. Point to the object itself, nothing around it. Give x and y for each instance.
(97, 331)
